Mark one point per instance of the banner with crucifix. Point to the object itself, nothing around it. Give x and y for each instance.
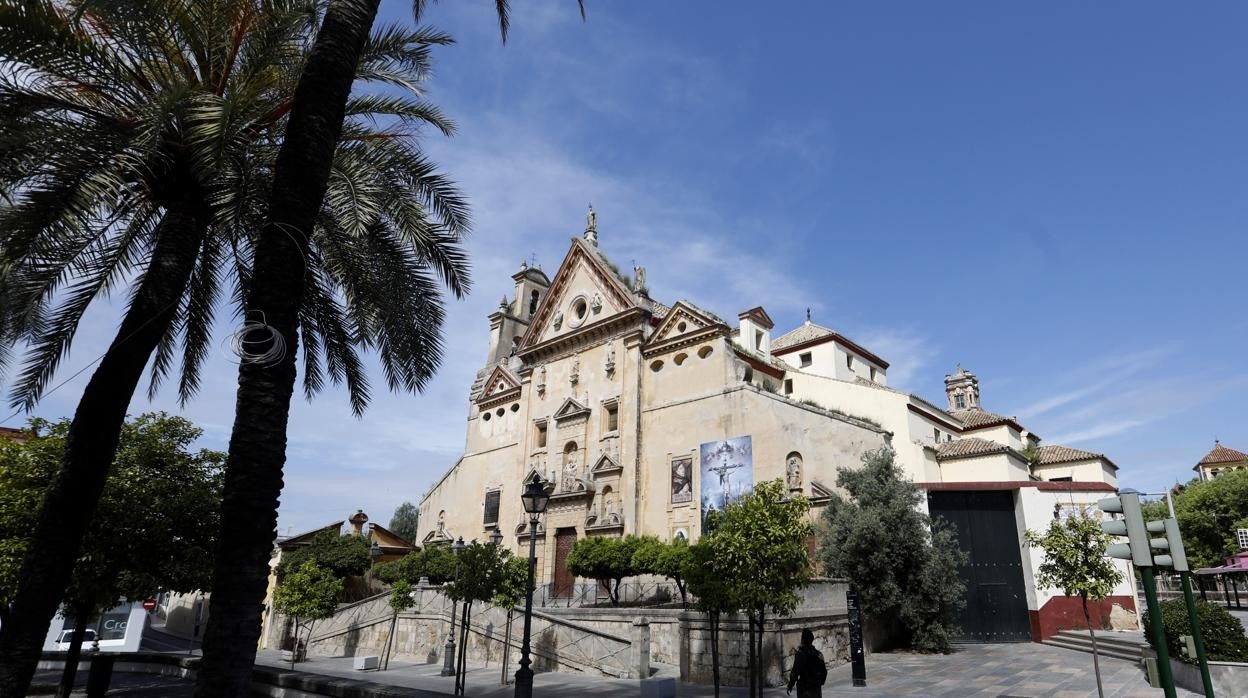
(727, 470)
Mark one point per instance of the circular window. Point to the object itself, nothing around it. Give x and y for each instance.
(656, 366)
(578, 311)
(682, 326)
(515, 407)
(680, 359)
(485, 416)
(500, 412)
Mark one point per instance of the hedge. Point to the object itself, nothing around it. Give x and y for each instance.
(1222, 632)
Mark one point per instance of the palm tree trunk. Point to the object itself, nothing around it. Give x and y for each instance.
(91, 444)
(1096, 662)
(70, 672)
(257, 452)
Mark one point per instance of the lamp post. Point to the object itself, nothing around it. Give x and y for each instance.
(448, 655)
(535, 499)
(374, 552)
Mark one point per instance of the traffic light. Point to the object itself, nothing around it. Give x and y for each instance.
(1131, 525)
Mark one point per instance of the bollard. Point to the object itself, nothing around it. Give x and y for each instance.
(639, 651)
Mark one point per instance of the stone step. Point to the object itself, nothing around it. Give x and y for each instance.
(1100, 650)
(1122, 645)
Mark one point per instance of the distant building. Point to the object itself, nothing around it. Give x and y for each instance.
(12, 434)
(1219, 460)
(643, 416)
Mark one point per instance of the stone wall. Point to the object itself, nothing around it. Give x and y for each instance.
(597, 640)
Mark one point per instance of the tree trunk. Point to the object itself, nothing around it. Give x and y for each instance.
(1096, 662)
(394, 621)
(70, 672)
(507, 645)
(91, 444)
(461, 671)
(762, 668)
(752, 667)
(257, 453)
(294, 647)
(713, 621)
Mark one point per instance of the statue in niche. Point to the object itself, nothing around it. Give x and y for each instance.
(793, 472)
(610, 362)
(576, 368)
(571, 470)
(441, 523)
(558, 319)
(595, 303)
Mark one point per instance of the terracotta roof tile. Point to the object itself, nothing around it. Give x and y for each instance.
(965, 448)
(809, 332)
(1064, 454)
(1222, 454)
(977, 418)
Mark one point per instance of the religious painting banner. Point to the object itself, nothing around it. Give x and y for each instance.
(682, 479)
(727, 470)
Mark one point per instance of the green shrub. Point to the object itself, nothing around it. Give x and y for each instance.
(1222, 632)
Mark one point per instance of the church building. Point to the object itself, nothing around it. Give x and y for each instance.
(644, 416)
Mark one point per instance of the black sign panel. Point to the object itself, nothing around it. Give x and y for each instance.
(857, 654)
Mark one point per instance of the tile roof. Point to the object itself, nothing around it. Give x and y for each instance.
(971, 446)
(977, 418)
(1222, 454)
(804, 333)
(1064, 454)
(809, 332)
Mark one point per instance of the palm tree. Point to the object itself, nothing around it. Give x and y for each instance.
(257, 451)
(138, 144)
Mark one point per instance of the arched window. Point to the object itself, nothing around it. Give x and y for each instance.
(533, 303)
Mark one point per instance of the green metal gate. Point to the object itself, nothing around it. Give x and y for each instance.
(996, 599)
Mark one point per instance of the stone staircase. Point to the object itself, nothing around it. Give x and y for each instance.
(1109, 643)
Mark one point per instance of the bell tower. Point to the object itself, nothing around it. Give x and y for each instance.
(509, 322)
(962, 389)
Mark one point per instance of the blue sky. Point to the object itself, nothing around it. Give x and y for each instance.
(1051, 194)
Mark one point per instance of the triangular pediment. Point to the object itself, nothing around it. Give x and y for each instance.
(818, 490)
(605, 464)
(682, 319)
(569, 409)
(501, 382)
(584, 277)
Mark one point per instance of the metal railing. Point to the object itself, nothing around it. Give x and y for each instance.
(656, 593)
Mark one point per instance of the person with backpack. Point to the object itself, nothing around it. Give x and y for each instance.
(809, 670)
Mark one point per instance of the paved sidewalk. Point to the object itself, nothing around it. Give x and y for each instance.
(1023, 670)
(1008, 671)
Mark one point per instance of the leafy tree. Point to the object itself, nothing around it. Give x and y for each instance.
(709, 583)
(342, 556)
(1075, 562)
(483, 574)
(140, 149)
(154, 529)
(405, 521)
(436, 562)
(904, 565)
(307, 594)
(1209, 512)
(671, 560)
(400, 600)
(761, 543)
(607, 560)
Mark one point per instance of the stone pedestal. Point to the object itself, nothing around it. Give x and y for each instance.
(639, 652)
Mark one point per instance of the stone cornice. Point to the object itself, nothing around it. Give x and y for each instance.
(583, 337)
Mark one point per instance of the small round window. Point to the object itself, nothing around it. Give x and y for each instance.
(485, 416)
(515, 407)
(579, 309)
(500, 412)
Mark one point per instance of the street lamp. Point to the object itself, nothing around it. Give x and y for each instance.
(374, 552)
(496, 537)
(448, 656)
(535, 499)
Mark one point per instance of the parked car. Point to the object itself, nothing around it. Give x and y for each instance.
(63, 640)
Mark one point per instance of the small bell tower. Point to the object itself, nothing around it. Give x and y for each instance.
(962, 389)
